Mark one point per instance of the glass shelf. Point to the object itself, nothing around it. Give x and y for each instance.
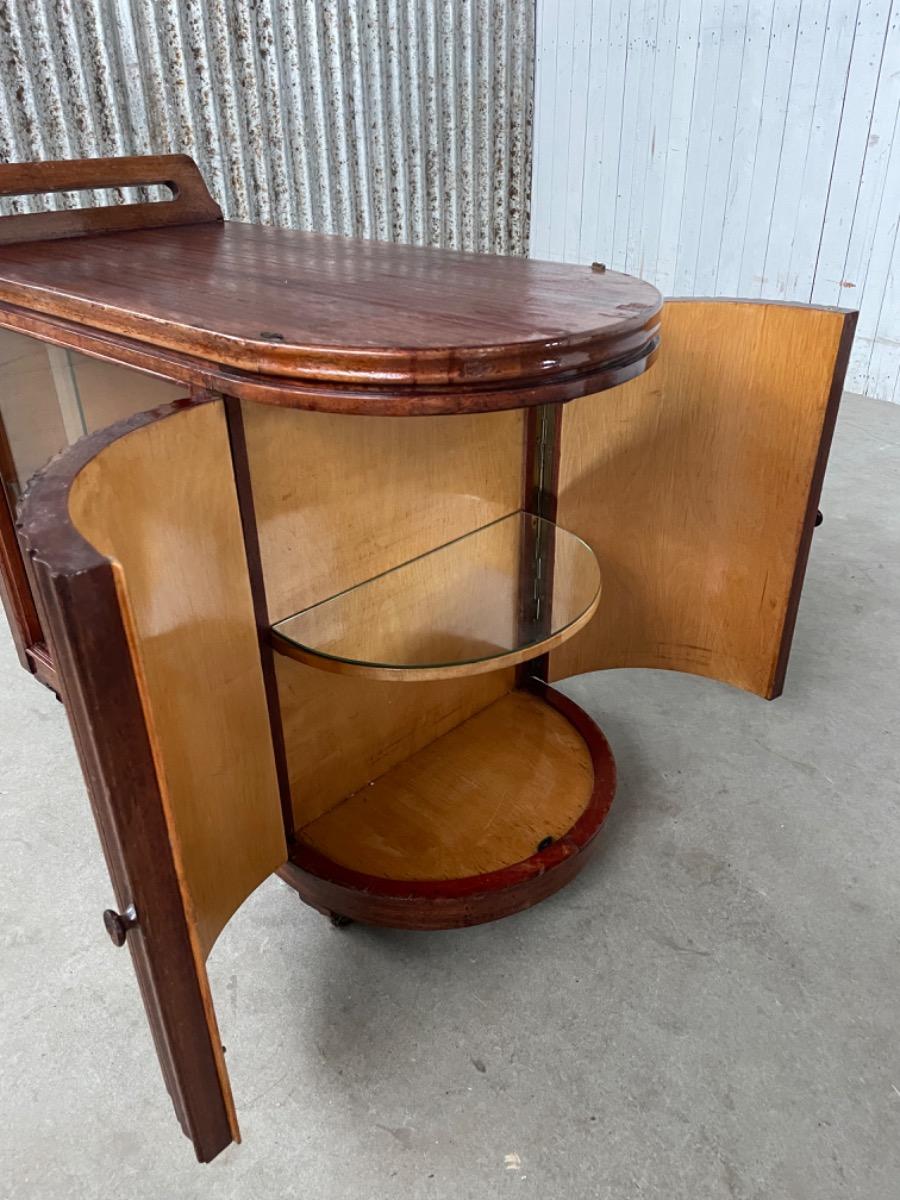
(497, 596)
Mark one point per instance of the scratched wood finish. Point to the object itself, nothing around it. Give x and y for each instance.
(318, 397)
(160, 502)
(109, 347)
(109, 653)
(361, 318)
(191, 203)
(697, 488)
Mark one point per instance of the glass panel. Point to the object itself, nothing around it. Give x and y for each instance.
(50, 396)
(499, 590)
(29, 410)
(108, 392)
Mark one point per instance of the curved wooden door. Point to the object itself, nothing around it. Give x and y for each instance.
(697, 486)
(137, 550)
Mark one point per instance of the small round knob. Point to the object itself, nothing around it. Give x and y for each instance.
(118, 924)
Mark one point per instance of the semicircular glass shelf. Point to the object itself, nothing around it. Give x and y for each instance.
(500, 595)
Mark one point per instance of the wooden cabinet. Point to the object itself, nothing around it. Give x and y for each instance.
(308, 620)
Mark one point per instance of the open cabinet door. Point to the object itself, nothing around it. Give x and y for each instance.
(697, 486)
(135, 541)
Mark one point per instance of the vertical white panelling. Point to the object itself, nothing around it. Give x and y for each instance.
(730, 147)
(872, 249)
(616, 69)
(776, 90)
(673, 151)
(875, 371)
(405, 120)
(632, 111)
(578, 119)
(593, 89)
(644, 219)
(795, 145)
(729, 74)
(744, 148)
(562, 113)
(699, 144)
(863, 77)
(819, 155)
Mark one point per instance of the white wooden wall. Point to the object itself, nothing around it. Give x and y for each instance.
(728, 148)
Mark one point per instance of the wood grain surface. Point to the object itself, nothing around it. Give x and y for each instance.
(337, 500)
(160, 503)
(697, 488)
(448, 903)
(348, 497)
(190, 204)
(341, 731)
(15, 589)
(480, 798)
(112, 707)
(343, 313)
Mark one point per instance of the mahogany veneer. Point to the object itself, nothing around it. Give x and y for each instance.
(354, 406)
(369, 327)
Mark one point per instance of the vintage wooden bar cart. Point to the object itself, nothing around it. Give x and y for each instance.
(307, 617)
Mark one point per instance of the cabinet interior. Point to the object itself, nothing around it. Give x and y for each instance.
(339, 500)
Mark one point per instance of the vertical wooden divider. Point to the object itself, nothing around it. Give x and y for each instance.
(237, 440)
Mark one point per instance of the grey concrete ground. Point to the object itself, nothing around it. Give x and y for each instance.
(711, 1010)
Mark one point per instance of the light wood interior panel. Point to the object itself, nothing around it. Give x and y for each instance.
(339, 499)
(692, 484)
(478, 799)
(161, 503)
(341, 732)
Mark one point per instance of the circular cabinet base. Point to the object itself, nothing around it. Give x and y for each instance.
(532, 766)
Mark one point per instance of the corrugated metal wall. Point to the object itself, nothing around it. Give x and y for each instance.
(728, 147)
(405, 120)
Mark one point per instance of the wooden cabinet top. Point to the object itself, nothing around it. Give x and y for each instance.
(323, 321)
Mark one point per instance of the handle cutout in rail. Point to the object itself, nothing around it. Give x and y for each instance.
(190, 201)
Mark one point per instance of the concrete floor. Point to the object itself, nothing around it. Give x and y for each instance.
(711, 1010)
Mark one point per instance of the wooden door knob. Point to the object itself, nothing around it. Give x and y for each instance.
(118, 924)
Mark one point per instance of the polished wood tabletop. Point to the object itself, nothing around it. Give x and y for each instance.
(314, 307)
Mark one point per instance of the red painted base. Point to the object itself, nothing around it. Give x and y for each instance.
(339, 891)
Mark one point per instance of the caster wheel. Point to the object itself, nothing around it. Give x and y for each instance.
(339, 922)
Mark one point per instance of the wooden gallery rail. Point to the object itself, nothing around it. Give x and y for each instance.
(307, 614)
